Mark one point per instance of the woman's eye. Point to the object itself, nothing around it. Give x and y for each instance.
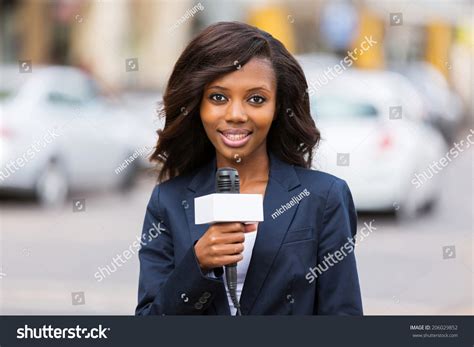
(217, 97)
(257, 99)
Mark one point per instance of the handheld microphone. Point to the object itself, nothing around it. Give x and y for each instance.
(227, 181)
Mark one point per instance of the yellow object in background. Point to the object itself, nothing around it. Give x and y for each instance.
(276, 21)
(369, 26)
(438, 42)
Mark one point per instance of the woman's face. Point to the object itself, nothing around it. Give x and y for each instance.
(237, 109)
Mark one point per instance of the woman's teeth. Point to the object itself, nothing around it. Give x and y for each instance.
(235, 137)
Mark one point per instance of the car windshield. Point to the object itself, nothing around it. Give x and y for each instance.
(340, 107)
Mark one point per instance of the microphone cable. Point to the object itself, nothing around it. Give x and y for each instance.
(227, 181)
(231, 280)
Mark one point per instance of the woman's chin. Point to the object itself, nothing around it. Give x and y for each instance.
(234, 156)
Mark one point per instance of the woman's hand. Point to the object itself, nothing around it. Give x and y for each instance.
(222, 244)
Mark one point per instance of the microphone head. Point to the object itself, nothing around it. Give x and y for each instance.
(227, 180)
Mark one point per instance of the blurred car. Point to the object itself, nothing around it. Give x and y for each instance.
(373, 136)
(145, 106)
(444, 106)
(317, 61)
(58, 134)
(10, 81)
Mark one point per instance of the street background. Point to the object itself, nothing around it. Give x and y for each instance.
(58, 229)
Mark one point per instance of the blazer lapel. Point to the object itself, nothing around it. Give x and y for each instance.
(271, 231)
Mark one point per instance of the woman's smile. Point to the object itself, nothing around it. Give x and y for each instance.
(235, 138)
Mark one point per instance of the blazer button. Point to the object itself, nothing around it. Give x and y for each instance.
(206, 295)
(202, 300)
(198, 306)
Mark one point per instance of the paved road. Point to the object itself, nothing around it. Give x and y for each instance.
(49, 258)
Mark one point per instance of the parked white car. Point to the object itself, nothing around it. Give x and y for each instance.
(57, 134)
(373, 136)
(444, 106)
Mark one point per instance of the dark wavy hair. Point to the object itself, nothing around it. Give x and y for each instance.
(183, 145)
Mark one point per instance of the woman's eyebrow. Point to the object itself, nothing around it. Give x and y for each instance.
(248, 90)
(217, 87)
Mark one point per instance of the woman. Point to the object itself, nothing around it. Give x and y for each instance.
(237, 98)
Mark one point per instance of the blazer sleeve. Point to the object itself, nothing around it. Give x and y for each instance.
(166, 287)
(338, 291)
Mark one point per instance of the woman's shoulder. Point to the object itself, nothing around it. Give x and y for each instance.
(328, 189)
(319, 180)
(171, 187)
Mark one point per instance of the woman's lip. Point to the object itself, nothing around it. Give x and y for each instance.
(235, 143)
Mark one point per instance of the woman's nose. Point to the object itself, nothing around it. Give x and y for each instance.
(236, 113)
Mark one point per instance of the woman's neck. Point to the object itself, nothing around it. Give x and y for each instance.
(252, 169)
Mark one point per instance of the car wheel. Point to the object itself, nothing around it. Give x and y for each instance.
(52, 186)
(406, 213)
(407, 210)
(430, 205)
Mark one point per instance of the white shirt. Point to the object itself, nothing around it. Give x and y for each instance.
(242, 267)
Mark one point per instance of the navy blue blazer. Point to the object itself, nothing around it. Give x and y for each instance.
(299, 232)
